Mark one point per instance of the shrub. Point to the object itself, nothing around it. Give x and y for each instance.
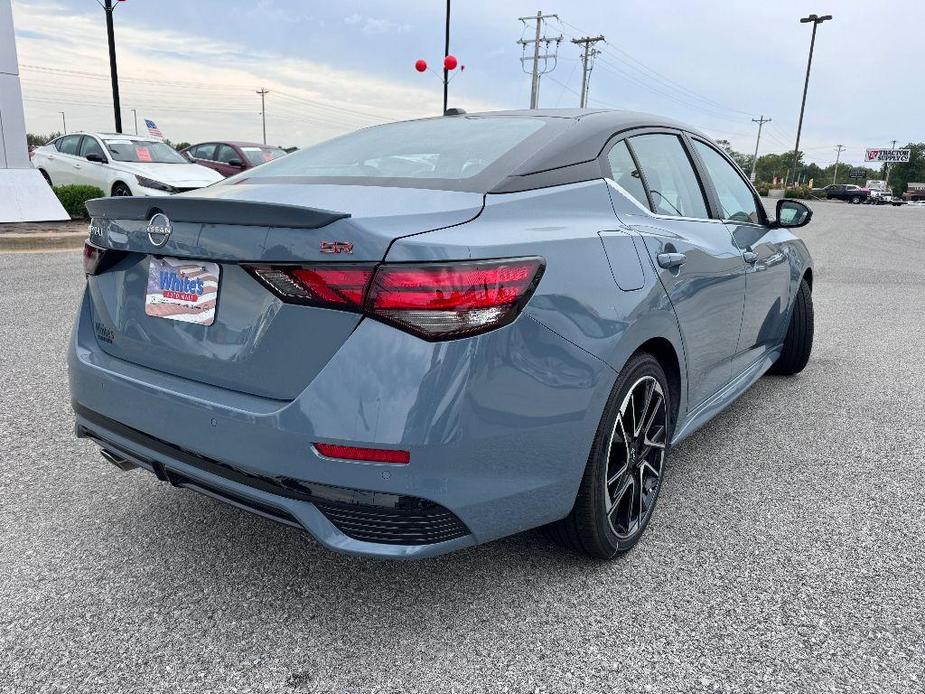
(800, 192)
(763, 189)
(74, 199)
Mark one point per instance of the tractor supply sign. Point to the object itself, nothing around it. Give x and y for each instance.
(888, 156)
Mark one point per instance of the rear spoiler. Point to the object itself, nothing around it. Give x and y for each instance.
(213, 211)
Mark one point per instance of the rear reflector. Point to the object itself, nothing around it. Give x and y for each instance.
(435, 301)
(369, 455)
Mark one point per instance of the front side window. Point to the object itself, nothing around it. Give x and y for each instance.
(448, 148)
(144, 152)
(735, 196)
(91, 146)
(225, 154)
(625, 174)
(669, 175)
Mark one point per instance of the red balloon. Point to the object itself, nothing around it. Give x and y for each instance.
(450, 62)
(420, 65)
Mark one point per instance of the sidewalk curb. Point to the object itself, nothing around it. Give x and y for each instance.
(42, 241)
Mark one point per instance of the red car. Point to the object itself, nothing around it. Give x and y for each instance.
(230, 158)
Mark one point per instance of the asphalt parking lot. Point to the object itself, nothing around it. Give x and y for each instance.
(786, 554)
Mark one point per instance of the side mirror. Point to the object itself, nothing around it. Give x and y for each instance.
(236, 163)
(98, 158)
(792, 214)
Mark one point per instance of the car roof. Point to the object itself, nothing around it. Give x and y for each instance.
(117, 136)
(580, 135)
(236, 143)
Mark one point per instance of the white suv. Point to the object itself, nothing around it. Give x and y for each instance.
(120, 165)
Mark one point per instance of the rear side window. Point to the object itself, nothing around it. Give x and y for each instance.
(669, 175)
(625, 174)
(735, 196)
(449, 148)
(69, 144)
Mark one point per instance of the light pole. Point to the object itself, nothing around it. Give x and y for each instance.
(446, 52)
(63, 121)
(816, 21)
(135, 117)
(117, 108)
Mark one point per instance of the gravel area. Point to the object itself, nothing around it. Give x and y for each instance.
(786, 553)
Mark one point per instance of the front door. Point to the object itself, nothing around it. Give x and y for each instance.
(767, 282)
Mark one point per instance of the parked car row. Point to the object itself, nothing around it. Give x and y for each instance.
(857, 195)
(123, 165)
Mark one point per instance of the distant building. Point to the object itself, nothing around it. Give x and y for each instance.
(915, 191)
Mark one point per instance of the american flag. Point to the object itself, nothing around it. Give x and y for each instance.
(153, 130)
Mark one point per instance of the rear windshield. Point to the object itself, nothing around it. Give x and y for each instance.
(144, 151)
(261, 155)
(440, 149)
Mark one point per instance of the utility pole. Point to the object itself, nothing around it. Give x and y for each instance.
(63, 121)
(816, 21)
(535, 85)
(446, 52)
(888, 167)
(135, 116)
(114, 74)
(263, 110)
(760, 121)
(838, 150)
(588, 51)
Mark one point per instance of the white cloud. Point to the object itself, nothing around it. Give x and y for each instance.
(197, 88)
(376, 25)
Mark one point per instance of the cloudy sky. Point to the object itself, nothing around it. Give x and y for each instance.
(330, 67)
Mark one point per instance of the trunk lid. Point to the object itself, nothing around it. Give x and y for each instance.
(256, 343)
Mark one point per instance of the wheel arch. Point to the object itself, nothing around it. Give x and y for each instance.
(808, 276)
(118, 181)
(664, 352)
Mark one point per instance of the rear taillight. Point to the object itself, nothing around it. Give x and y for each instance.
(435, 301)
(93, 257)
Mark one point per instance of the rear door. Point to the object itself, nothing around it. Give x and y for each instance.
(62, 163)
(204, 155)
(697, 262)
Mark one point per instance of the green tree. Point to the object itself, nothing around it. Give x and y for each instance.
(913, 171)
(36, 140)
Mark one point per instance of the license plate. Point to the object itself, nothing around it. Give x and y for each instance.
(183, 290)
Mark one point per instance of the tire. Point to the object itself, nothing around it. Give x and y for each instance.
(798, 342)
(120, 190)
(46, 177)
(856, 200)
(601, 523)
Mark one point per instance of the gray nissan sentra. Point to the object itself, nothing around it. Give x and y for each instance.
(430, 334)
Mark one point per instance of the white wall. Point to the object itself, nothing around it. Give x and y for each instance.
(13, 151)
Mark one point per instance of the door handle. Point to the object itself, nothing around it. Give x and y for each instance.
(750, 257)
(669, 261)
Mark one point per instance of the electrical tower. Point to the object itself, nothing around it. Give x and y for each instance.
(838, 150)
(263, 110)
(546, 56)
(588, 51)
(760, 121)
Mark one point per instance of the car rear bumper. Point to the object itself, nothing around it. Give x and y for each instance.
(499, 428)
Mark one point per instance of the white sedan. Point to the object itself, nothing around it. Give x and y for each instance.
(120, 165)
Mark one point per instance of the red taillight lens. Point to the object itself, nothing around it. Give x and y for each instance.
(317, 285)
(435, 301)
(93, 256)
(368, 455)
